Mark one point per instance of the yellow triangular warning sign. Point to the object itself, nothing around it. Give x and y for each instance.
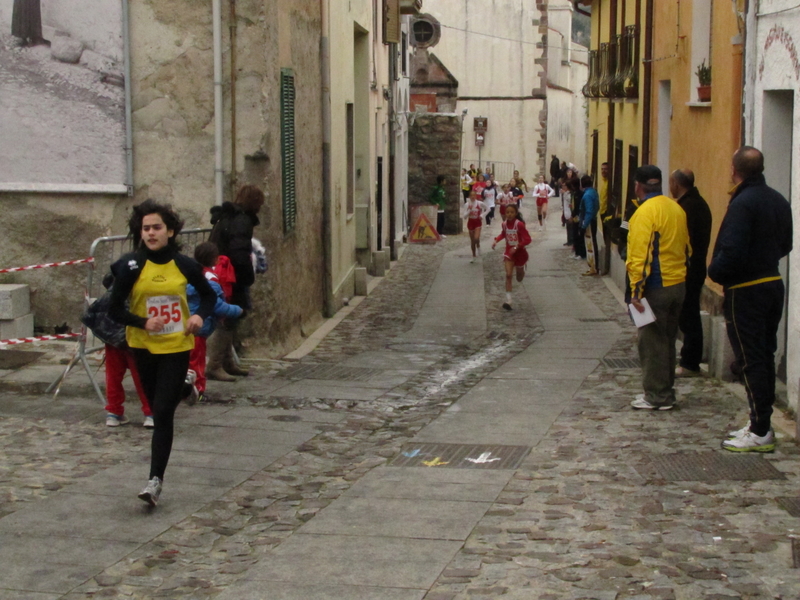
(423, 232)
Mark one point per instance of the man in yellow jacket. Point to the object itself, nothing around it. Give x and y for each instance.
(658, 254)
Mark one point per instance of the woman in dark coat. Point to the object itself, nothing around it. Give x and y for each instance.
(233, 234)
(26, 22)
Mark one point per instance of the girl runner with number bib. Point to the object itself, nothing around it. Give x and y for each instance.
(474, 212)
(159, 326)
(516, 256)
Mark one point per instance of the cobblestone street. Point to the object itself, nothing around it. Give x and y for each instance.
(433, 446)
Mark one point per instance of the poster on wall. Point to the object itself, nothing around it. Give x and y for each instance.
(62, 96)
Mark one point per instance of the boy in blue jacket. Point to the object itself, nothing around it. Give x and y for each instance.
(207, 255)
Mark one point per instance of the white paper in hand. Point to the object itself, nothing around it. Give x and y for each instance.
(640, 319)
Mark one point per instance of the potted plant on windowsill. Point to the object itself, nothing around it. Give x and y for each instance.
(704, 79)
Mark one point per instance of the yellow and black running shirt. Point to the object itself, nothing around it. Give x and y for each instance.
(155, 283)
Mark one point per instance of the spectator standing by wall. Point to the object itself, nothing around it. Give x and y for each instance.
(591, 205)
(698, 220)
(658, 252)
(755, 234)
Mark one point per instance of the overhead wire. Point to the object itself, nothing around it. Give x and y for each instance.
(498, 37)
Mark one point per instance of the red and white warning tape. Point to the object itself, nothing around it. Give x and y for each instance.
(41, 338)
(47, 265)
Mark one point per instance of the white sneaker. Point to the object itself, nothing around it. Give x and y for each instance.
(148, 423)
(151, 491)
(113, 420)
(750, 442)
(540, 227)
(642, 403)
(472, 260)
(188, 384)
(683, 372)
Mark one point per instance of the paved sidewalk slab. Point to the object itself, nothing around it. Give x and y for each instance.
(431, 484)
(346, 560)
(272, 590)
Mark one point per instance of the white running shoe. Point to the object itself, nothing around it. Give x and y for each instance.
(148, 423)
(750, 442)
(151, 491)
(113, 420)
(540, 227)
(642, 403)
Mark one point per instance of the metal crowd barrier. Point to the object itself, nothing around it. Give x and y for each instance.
(103, 253)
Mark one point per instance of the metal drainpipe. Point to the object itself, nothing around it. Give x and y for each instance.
(327, 229)
(648, 82)
(392, 150)
(233, 96)
(126, 49)
(219, 173)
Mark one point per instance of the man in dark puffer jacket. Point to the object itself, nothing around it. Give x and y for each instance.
(233, 234)
(755, 234)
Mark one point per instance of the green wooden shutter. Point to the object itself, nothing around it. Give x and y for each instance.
(288, 150)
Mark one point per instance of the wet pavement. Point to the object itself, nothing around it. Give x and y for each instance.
(431, 446)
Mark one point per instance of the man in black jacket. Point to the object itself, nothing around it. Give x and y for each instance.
(755, 234)
(698, 219)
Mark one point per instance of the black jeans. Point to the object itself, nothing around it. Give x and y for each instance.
(490, 216)
(752, 317)
(440, 222)
(579, 240)
(691, 325)
(162, 377)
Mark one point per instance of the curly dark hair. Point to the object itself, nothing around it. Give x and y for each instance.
(150, 207)
(250, 198)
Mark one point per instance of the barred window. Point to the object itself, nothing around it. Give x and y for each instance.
(289, 196)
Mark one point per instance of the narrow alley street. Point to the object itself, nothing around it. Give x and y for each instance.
(433, 446)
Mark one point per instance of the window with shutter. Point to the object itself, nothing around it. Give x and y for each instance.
(289, 196)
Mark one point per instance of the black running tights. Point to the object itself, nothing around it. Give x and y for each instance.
(162, 377)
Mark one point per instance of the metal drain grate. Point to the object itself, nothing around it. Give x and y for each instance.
(332, 372)
(461, 456)
(622, 363)
(597, 320)
(790, 504)
(714, 466)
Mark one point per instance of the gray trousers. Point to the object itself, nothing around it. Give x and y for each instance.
(657, 344)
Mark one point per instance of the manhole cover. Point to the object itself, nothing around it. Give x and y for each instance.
(598, 320)
(332, 372)
(460, 456)
(285, 418)
(790, 504)
(14, 359)
(714, 466)
(621, 363)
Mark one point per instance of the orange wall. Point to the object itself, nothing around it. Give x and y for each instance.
(702, 138)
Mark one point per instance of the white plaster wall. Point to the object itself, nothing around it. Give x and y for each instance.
(773, 65)
(490, 66)
(96, 23)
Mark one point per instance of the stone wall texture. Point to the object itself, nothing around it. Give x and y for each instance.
(173, 126)
(435, 149)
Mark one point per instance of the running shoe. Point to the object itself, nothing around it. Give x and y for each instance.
(642, 403)
(193, 397)
(590, 273)
(148, 423)
(506, 305)
(151, 491)
(750, 442)
(188, 384)
(113, 420)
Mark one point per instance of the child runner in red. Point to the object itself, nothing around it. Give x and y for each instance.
(515, 256)
(542, 192)
(504, 198)
(474, 212)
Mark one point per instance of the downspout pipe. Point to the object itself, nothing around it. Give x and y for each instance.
(393, 79)
(219, 174)
(234, 42)
(648, 82)
(126, 48)
(327, 228)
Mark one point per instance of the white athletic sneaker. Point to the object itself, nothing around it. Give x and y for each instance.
(113, 420)
(540, 227)
(683, 372)
(641, 403)
(750, 442)
(151, 491)
(148, 423)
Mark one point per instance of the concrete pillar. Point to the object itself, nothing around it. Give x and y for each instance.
(720, 352)
(360, 281)
(379, 263)
(387, 258)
